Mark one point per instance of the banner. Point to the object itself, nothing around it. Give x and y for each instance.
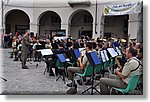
(122, 9)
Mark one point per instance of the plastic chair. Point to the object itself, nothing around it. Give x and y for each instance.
(131, 85)
(88, 72)
(61, 66)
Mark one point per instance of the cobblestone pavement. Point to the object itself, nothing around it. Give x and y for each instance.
(32, 80)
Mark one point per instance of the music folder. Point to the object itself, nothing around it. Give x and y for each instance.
(76, 53)
(38, 47)
(62, 58)
(93, 58)
(115, 44)
(104, 56)
(118, 51)
(45, 52)
(112, 52)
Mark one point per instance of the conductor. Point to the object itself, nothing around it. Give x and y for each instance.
(25, 48)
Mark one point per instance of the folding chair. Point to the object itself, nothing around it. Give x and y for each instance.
(131, 85)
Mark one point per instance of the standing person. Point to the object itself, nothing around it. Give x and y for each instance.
(6, 41)
(25, 48)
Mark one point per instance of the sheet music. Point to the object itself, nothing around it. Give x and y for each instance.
(112, 52)
(46, 52)
(103, 56)
(81, 49)
(106, 57)
(83, 52)
(55, 38)
(67, 59)
(118, 50)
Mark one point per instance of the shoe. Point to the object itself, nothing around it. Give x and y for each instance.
(70, 85)
(11, 57)
(25, 67)
(84, 79)
(72, 91)
(79, 82)
(51, 74)
(97, 77)
(35, 60)
(89, 82)
(16, 59)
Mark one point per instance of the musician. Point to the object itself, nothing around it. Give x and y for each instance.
(19, 47)
(82, 64)
(51, 63)
(48, 45)
(121, 79)
(35, 52)
(25, 48)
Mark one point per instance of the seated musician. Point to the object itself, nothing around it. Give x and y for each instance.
(48, 45)
(82, 65)
(18, 50)
(51, 63)
(121, 78)
(35, 52)
(19, 47)
(54, 45)
(14, 46)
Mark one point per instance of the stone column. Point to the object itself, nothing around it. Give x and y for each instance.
(134, 26)
(1, 17)
(102, 26)
(1, 23)
(93, 34)
(34, 28)
(65, 26)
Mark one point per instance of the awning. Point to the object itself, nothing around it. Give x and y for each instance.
(79, 2)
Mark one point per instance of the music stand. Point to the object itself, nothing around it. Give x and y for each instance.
(38, 47)
(112, 52)
(63, 60)
(115, 44)
(75, 54)
(94, 61)
(118, 51)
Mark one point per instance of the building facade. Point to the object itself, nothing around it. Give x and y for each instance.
(69, 18)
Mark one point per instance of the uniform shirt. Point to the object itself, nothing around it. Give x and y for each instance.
(14, 44)
(48, 46)
(34, 46)
(130, 65)
(85, 60)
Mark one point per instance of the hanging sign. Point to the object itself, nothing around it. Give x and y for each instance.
(122, 9)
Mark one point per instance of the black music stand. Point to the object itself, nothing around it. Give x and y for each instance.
(94, 61)
(63, 60)
(38, 47)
